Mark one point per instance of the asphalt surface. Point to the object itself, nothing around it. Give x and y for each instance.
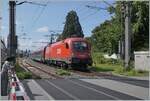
(75, 89)
(132, 81)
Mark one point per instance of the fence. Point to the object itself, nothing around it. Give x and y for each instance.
(16, 91)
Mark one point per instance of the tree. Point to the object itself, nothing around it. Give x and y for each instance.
(105, 37)
(72, 27)
(140, 24)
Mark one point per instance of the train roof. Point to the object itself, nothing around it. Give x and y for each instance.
(74, 39)
(67, 40)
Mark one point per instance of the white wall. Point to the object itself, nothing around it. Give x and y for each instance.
(142, 60)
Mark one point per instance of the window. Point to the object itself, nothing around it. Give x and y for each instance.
(66, 45)
(80, 46)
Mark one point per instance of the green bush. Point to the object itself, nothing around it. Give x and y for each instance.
(18, 68)
(98, 58)
(142, 71)
(132, 73)
(101, 64)
(21, 73)
(24, 75)
(119, 70)
(62, 72)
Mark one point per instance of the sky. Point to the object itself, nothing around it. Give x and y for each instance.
(34, 22)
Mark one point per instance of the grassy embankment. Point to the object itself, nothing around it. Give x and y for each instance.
(63, 72)
(107, 65)
(22, 74)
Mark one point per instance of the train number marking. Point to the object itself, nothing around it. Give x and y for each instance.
(58, 51)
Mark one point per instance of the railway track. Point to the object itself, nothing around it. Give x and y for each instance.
(39, 71)
(74, 73)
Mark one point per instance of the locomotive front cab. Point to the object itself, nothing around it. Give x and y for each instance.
(81, 53)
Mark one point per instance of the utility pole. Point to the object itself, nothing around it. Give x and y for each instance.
(53, 35)
(12, 38)
(127, 33)
(122, 40)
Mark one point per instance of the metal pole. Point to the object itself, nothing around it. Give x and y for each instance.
(127, 34)
(12, 38)
(122, 53)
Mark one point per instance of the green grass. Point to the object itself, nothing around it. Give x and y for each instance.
(104, 67)
(131, 72)
(18, 68)
(118, 69)
(101, 64)
(21, 73)
(24, 75)
(62, 72)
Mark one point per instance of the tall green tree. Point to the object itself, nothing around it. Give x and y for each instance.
(140, 25)
(72, 27)
(105, 37)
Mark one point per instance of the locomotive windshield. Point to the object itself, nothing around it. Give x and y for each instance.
(80, 46)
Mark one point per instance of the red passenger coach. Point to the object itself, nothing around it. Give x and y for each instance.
(71, 51)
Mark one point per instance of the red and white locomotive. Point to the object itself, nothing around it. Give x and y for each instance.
(68, 52)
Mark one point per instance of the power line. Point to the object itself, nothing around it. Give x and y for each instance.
(95, 7)
(92, 7)
(85, 11)
(88, 15)
(108, 3)
(39, 15)
(34, 16)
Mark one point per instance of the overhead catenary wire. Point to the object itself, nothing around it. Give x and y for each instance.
(97, 8)
(34, 3)
(34, 15)
(86, 17)
(38, 17)
(87, 10)
(108, 4)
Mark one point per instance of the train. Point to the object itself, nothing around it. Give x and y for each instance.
(66, 53)
(3, 52)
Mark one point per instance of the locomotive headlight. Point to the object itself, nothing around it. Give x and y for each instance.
(72, 54)
(89, 54)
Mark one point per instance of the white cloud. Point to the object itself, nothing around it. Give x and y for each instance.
(42, 29)
(34, 45)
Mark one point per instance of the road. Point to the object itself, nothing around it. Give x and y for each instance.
(104, 88)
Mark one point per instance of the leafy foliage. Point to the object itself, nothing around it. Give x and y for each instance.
(106, 36)
(98, 58)
(72, 27)
(140, 23)
(24, 75)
